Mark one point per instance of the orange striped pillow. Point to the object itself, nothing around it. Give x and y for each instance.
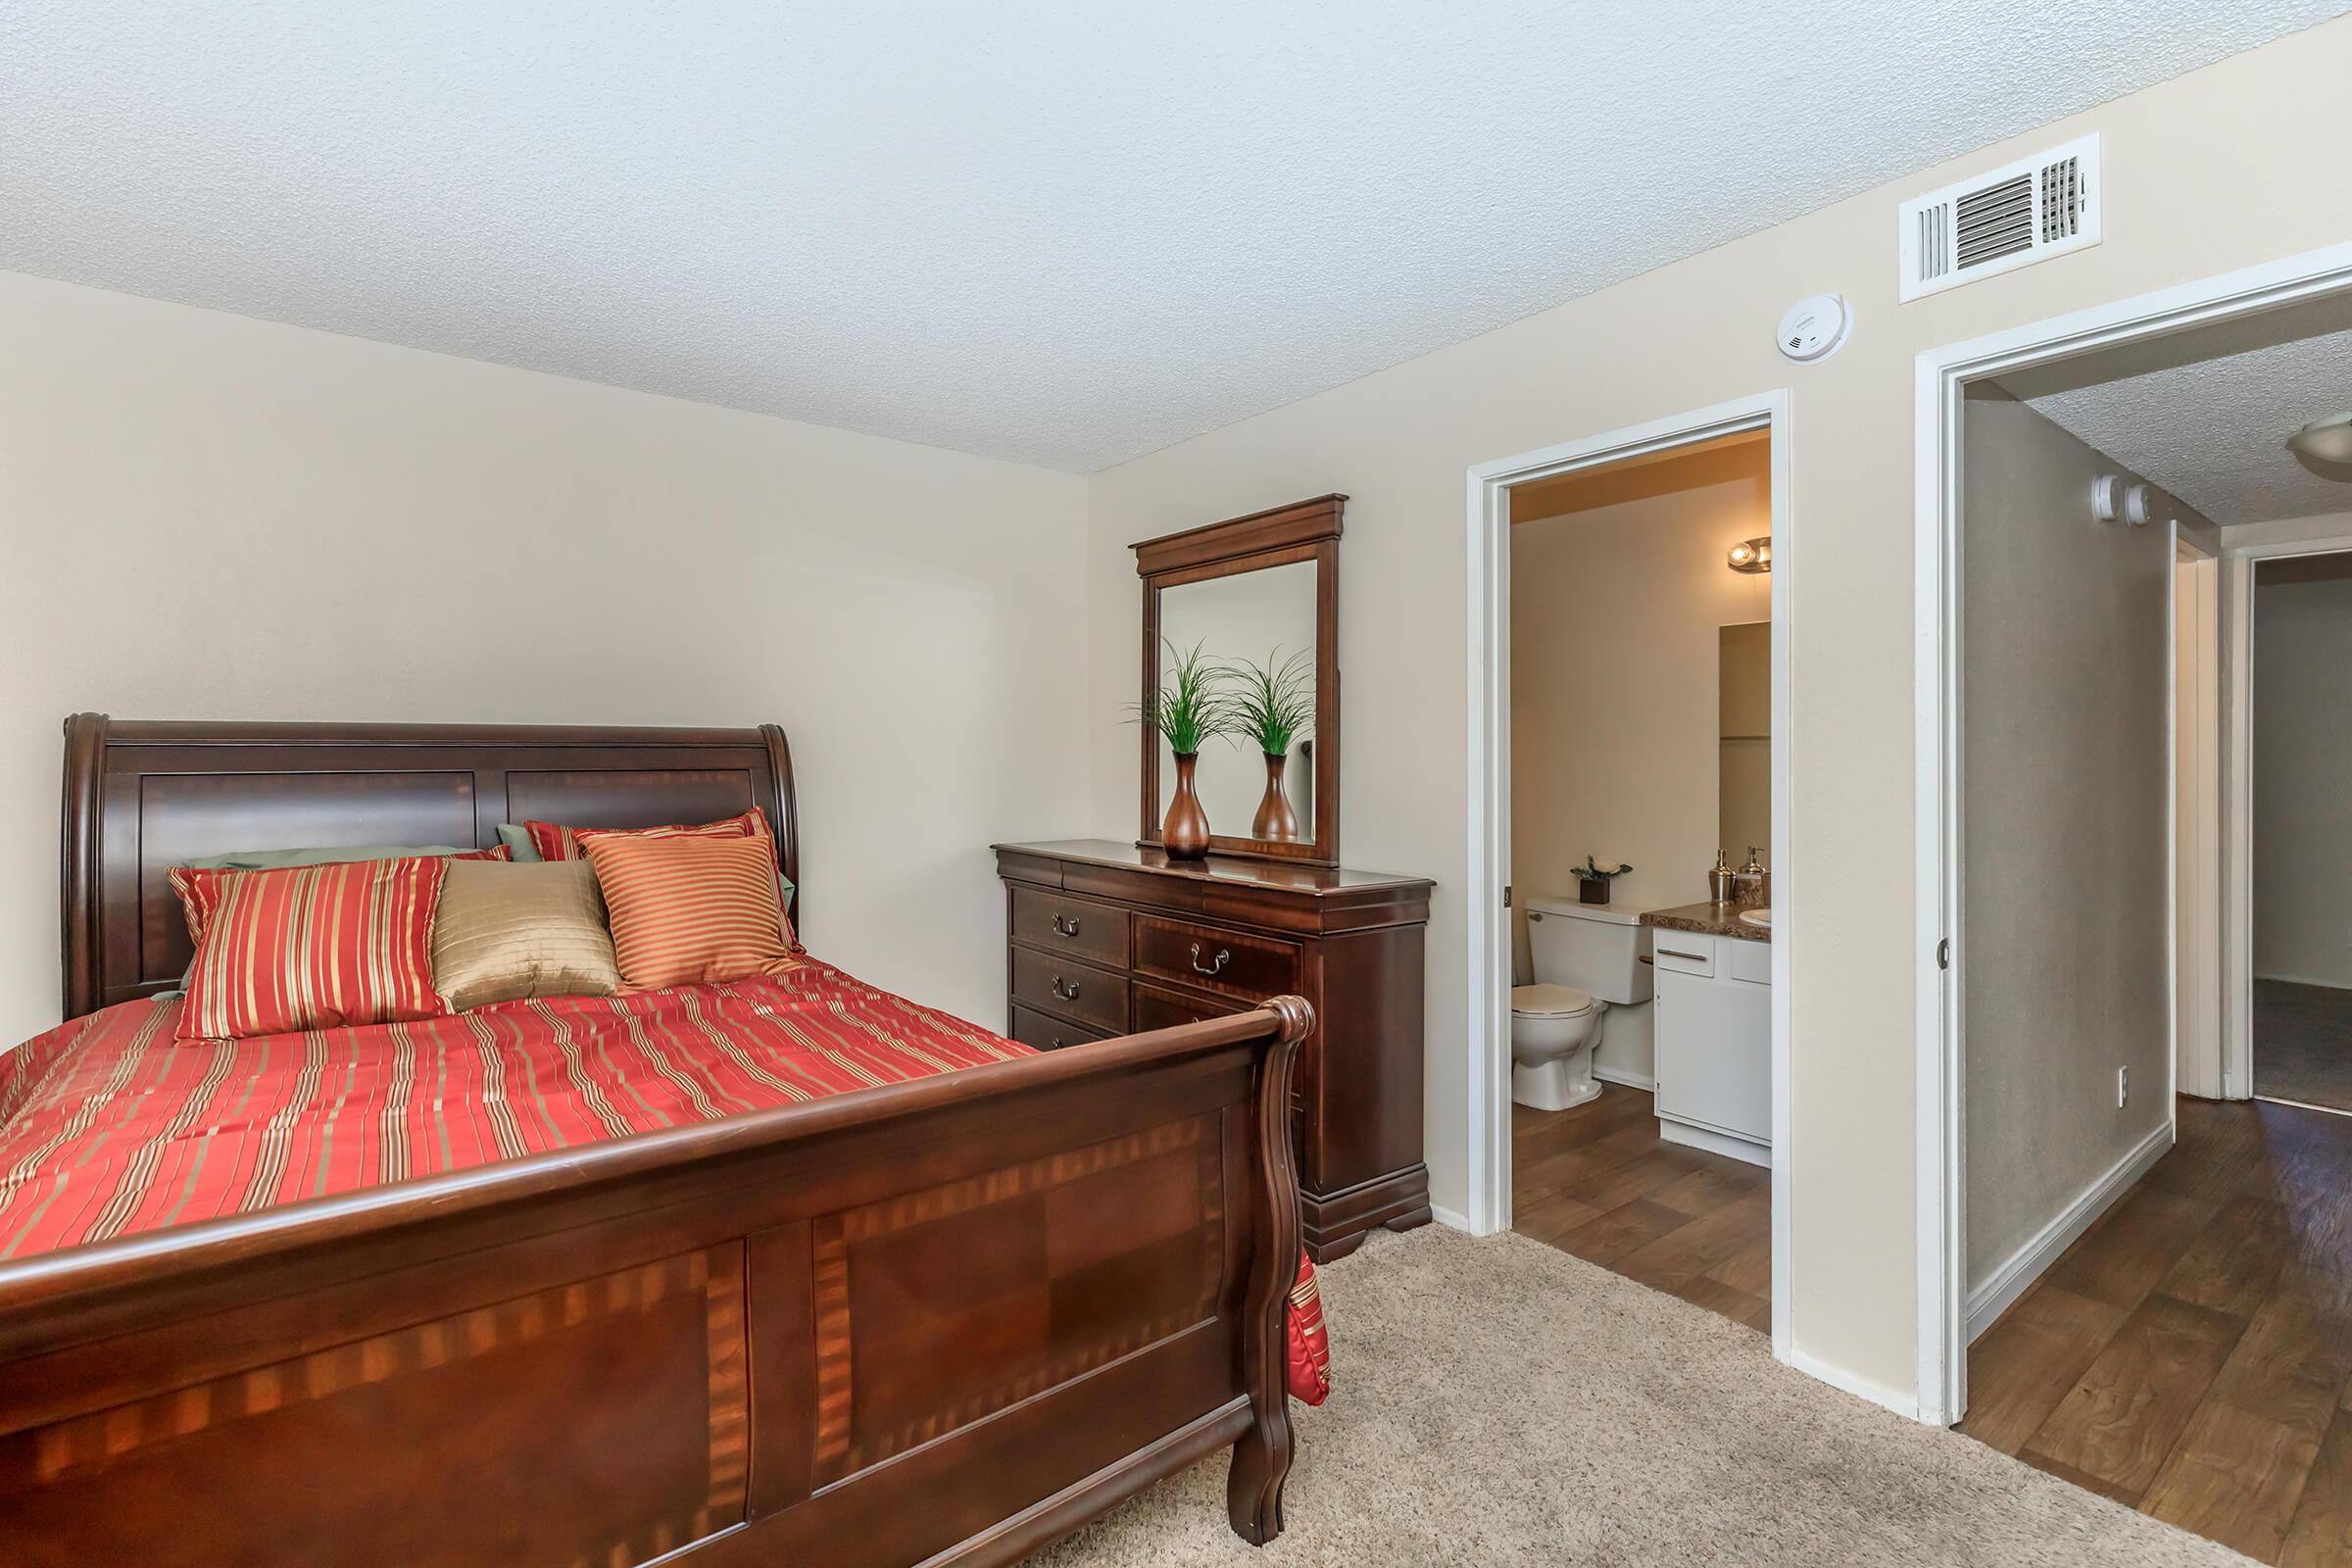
(310, 947)
(690, 910)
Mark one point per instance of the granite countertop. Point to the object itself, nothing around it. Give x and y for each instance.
(1711, 920)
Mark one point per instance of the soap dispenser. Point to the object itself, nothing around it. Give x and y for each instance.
(1722, 884)
(1751, 883)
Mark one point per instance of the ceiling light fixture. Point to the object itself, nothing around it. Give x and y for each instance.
(1751, 555)
(2325, 440)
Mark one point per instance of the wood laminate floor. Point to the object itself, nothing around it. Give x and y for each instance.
(2192, 1355)
(1598, 1182)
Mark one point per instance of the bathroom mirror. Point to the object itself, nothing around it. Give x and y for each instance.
(1258, 591)
(1744, 702)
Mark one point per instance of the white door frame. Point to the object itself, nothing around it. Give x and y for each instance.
(1941, 375)
(2196, 879)
(2237, 795)
(1487, 1028)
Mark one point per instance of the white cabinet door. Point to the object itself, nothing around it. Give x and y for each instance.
(1714, 1045)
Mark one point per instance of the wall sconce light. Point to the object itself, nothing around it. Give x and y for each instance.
(1751, 555)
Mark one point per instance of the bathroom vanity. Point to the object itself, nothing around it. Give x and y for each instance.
(1713, 1029)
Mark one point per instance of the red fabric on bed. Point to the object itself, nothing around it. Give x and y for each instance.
(1309, 1355)
(556, 842)
(110, 1126)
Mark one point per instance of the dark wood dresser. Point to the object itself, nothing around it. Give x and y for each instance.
(1107, 939)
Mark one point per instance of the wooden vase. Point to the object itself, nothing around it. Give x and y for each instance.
(1184, 833)
(1275, 819)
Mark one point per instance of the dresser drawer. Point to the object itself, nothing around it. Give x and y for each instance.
(1156, 1009)
(1039, 1032)
(1210, 957)
(1079, 927)
(1077, 992)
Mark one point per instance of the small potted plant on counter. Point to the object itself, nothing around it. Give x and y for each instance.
(1592, 878)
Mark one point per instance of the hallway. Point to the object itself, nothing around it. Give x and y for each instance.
(2191, 1356)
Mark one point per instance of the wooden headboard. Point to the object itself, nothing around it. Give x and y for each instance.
(141, 798)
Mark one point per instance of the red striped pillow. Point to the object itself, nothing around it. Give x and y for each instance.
(691, 909)
(310, 947)
(198, 917)
(557, 843)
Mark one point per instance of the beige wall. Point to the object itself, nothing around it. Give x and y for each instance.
(205, 516)
(2205, 173)
(2302, 781)
(1615, 621)
(2066, 818)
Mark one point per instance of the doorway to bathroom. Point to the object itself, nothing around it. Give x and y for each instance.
(1630, 638)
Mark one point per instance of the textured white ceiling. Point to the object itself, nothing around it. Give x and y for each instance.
(2206, 414)
(1060, 233)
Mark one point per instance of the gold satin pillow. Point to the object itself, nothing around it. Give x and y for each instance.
(505, 932)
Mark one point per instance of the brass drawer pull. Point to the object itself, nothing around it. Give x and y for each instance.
(1065, 925)
(1066, 990)
(1224, 957)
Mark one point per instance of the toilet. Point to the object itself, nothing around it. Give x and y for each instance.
(1587, 957)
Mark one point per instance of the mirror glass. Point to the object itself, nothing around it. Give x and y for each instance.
(1744, 701)
(1265, 618)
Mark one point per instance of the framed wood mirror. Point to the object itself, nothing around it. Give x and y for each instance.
(1262, 590)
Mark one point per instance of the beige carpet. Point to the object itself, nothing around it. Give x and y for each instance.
(1500, 1401)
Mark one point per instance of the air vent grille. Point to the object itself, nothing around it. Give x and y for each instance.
(2029, 211)
(2062, 199)
(1935, 239)
(1995, 220)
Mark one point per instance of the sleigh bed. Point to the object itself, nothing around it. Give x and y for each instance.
(939, 1320)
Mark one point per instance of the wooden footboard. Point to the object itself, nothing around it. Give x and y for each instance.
(942, 1322)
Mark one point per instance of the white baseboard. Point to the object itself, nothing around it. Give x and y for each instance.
(1715, 1143)
(1630, 1080)
(1902, 1401)
(2290, 979)
(2006, 1283)
(1448, 1217)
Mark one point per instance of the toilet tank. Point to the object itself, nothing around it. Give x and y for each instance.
(1593, 947)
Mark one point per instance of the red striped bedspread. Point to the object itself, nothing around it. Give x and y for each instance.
(108, 1126)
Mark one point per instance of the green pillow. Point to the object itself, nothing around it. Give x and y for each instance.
(340, 855)
(518, 839)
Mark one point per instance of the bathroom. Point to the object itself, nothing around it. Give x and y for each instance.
(1640, 716)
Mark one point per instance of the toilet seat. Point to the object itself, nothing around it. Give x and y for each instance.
(1550, 1001)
